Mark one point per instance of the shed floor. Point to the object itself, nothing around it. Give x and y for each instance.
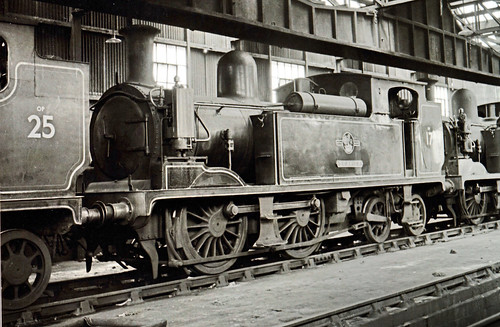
(277, 299)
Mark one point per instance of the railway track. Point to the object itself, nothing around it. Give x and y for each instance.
(127, 288)
(427, 305)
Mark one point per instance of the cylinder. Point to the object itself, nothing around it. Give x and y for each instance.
(466, 100)
(140, 41)
(325, 104)
(237, 76)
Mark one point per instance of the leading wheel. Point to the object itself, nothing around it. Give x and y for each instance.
(377, 232)
(26, 268)
(474, 203)
(419, 217)
(301, 226)
(207, 233)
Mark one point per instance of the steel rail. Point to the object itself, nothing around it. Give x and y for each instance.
(84, 305)
(402, 307)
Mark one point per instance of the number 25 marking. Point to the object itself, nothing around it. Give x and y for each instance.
(44, 124)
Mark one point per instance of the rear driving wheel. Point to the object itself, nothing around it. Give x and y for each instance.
(473, 204)
(419, 217)
(377, 232)
(26, 268)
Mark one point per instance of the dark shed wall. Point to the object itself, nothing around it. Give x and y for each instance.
(108, 61)
(204, 72)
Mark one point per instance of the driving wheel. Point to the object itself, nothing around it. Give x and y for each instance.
(301, 226)
(26, 268)
(207, 233)
(419, 217)
(474, 203)
(377, 232)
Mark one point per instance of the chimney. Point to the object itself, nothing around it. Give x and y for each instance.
(139, 40)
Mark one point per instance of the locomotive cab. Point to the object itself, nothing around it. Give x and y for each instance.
(353, 104)
(422, 130)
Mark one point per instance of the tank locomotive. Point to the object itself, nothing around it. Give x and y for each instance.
(195, 183)
(43, 148)
(180, 181)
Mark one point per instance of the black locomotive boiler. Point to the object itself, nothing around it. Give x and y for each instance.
(179, 181)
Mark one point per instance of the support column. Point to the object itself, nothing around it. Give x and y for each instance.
(75, 47)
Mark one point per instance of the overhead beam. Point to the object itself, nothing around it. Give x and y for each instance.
(490, 12)
(387, 3)
(417, 35)
(479, 12)
(489, 30)
(454, 4)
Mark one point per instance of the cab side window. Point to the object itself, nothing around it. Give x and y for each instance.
(3, 63)
(403, 103)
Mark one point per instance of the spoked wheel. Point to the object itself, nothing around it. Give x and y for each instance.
(474, 203)
(206, 232)
(300, 226)
(26, 268)
(377, 232)
(419, 214)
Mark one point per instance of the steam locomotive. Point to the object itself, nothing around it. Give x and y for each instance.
(197, 183)
(43, 148)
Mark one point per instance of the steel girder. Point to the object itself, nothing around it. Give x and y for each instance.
(386, 3)
(420, 35)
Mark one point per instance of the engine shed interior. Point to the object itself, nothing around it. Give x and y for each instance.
(192, 137)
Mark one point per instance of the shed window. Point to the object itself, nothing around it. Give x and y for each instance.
(169, 61)
(441, 96)
(3, 63)
(283, 73)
